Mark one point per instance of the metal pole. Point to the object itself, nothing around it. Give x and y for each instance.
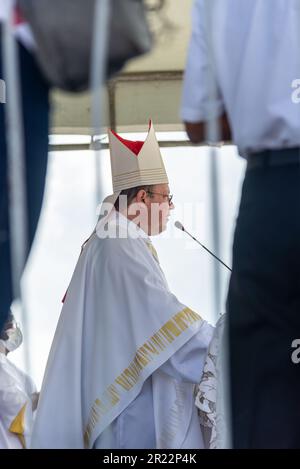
(213, 136)
(98, 74)
(16, 167)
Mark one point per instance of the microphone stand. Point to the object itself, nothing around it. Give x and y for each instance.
(181, 227)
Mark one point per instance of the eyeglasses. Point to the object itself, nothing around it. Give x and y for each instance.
(168, 196)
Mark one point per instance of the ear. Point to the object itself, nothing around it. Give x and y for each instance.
(140, 196)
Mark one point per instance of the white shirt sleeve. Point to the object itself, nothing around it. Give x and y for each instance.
(196, 94)
(188, 362)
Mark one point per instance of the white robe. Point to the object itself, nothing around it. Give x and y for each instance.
(128, 429)
(212, 391)
(16, 414)
(121, 355)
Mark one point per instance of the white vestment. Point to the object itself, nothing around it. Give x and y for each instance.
(16, 414)
(126, 354)
(212, 392)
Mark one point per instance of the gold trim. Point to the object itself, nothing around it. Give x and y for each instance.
(152, 250)
(17, 426)
(144, 355)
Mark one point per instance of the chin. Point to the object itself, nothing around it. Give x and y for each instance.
(164, 225)
(157, 230)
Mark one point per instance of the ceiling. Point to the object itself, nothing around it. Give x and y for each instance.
(149, 87)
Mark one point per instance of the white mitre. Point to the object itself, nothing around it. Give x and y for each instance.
(135, 163)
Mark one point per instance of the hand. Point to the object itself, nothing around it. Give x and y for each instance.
(197, 132)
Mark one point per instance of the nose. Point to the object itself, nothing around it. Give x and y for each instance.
(172, 206)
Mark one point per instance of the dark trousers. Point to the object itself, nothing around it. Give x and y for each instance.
(36, 122)
(264, 310)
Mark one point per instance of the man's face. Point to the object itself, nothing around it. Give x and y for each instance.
(156, 200)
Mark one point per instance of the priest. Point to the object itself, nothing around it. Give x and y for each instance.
(127, 353)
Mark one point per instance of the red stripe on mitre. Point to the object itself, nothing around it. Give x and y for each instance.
(134, 146)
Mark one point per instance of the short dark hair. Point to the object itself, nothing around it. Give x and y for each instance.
(131, 194)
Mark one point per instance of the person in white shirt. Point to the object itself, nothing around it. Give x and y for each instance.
(127, 353)
(18, 396)
(248, 53)
(35, 119)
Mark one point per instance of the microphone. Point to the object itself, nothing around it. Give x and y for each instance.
(181, 227)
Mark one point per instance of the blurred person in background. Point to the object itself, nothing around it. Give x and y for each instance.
(49, 56)
(248, 51)
(18, 396)
(35, 117)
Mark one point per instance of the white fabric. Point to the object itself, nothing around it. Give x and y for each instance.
(16, 389)
(128, 430)
(118, 313)
(211, 391)
(255, 46)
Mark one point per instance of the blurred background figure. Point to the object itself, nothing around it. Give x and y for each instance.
(18, 396)
(242, 66)
(35, 118)
(48, 56)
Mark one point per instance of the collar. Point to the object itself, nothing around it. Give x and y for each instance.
(131, 228)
